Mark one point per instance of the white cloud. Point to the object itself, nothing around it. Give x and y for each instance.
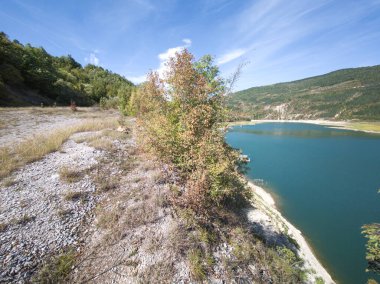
(187, 41)
(164, 58)
(92, 59)
(225, 58)
(137, 79)
(170, 52)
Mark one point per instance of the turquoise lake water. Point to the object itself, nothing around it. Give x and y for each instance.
(325, 182)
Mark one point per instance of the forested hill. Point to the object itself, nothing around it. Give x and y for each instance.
(31, 76)
(343, 94)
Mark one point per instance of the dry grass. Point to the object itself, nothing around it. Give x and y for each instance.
(23, 219)
(64, 212)
(101, 143)
(106, 183)
(9, 181)
(75, 195)
(3, 227)
(68, 175)
(12, 158)
(2, 124)
(117, 135)
(56, 269)
(365, 126)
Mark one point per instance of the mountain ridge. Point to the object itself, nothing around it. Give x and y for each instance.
(350, 93)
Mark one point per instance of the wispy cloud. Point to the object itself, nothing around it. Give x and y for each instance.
(92, 59)
(227, 57)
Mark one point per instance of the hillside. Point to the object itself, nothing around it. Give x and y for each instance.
(344, 94)
(31, 76)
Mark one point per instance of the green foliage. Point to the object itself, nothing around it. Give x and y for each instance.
(59, 79)
(372, 233)
(344, 94)
(319, 280)
(56, 270)
(197, 265)
(10, 74)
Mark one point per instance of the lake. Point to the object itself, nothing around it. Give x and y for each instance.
(325, 182)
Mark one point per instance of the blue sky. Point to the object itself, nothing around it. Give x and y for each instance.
(281, 40)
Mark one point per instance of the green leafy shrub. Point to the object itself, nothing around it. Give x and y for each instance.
(56, 270)
(372, 232)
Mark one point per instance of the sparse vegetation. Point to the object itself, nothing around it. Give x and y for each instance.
(101, 143)
(9, 181)
(197, 266)
(56, 270)
(69, 175)
(64, 212)
(24, 219)
(75, 195)
(12, 158)
(3, 227)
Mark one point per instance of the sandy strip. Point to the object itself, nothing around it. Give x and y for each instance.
(268, 214)
(331, 124)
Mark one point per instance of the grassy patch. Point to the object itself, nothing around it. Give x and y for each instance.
(365, 126)
(117, 135)
(3, 125)
(108, 219)
(12, 158)
(64, 212)
(102, 143)
(3, 227)
(56, 270)
(69, 175)
(9, 181)
(75, 195)
(319, 280)
(197, 268)
(24, 219)
(104, 184)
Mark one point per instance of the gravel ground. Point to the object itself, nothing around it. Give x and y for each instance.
(18, 124)
(38, 217)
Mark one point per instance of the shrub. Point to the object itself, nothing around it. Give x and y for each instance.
(372, 232)
(181, 115)
(56, 270)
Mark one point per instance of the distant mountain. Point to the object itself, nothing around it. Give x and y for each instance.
(31, 76)
(344, 94)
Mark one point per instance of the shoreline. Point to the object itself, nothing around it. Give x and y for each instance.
(363, 126)
(271, 217)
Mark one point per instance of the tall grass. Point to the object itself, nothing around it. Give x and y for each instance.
(33, 149)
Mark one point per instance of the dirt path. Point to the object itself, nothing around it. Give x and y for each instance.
(45, 205)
